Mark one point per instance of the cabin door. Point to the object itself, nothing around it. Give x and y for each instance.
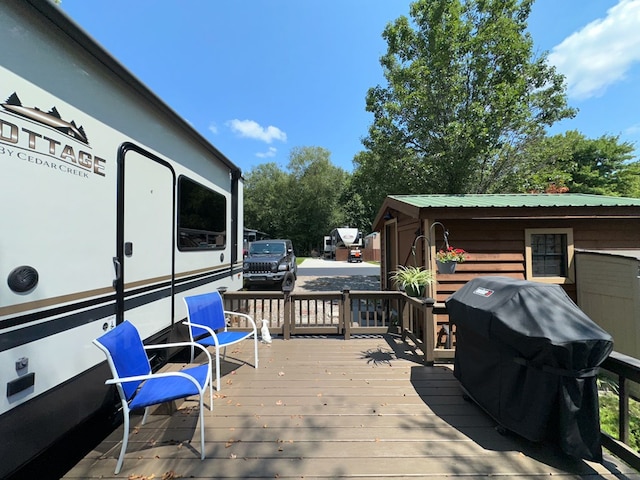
(146, 241)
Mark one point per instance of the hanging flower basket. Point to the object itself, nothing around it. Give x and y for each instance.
(446, 260)
(446, 267)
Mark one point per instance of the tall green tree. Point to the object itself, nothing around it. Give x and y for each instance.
(354, 214)
(375, 176)
(630, 180)
(464, 89)
(302, 203)
(575, 163)
(264, 193)
(315, 188)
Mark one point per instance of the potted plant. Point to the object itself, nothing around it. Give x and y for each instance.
(446, 260)
(413, 280)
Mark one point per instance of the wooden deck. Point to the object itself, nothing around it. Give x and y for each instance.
(329, 408)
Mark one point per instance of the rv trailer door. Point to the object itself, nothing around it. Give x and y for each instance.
(148, 243)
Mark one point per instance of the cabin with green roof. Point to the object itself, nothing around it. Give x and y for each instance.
(524, 236)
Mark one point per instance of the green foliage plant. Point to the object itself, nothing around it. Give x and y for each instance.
(412, 278)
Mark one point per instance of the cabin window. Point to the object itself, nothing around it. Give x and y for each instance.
(202, 217)
(549, 255)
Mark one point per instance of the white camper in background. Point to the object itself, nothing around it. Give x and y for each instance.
(113, 208)
(328, 247)
(341, 238)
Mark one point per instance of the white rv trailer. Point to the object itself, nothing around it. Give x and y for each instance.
(343, 237)
(113, 208)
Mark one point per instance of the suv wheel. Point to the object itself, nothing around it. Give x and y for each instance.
(289, 280)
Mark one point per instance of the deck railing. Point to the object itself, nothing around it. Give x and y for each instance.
(349, 313)
(627, 372)
(344, 313)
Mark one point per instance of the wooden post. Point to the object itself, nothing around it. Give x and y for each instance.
(345, 317)
(623, 407)
(429, 340)
(288, 316)
(403, 319)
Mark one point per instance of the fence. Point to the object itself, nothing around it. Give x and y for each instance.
(344, 313)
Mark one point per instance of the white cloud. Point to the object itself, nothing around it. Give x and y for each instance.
(602, 52)
(632, 130)
(213, 128)
(269, 153)
(251, 129)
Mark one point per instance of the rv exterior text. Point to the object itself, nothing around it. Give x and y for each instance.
(113, 208)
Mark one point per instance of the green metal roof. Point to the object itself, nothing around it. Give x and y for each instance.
(516, 200)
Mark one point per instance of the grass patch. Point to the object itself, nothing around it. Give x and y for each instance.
(609, 414)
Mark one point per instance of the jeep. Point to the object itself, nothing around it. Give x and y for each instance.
(270, 262)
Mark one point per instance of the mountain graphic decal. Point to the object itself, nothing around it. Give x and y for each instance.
(51, 118)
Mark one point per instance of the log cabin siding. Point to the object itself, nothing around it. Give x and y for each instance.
(497, 246)
(493, 230)
(606, 234)
(494, 248)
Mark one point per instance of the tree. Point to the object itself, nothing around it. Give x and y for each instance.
(315, 186)
(374, 177)
(464, 91)
(302, 203)
(572, 162)
(264, 186)
(352, 206)
(630, 180)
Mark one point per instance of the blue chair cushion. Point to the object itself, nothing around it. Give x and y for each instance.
(165, 389)
(224, 338)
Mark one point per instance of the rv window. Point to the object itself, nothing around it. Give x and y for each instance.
(202, 217)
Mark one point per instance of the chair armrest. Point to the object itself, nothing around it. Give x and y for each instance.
(204, 327)
(179, 344)
(138, 378)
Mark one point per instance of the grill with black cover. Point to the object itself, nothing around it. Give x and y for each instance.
(529, 356)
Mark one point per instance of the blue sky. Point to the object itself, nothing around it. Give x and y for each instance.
(260, 77)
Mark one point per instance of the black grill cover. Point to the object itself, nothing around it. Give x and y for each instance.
(529, 357)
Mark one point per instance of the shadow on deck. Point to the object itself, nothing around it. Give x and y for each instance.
(329, 408)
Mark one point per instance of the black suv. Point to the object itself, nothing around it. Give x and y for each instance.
(270, 262)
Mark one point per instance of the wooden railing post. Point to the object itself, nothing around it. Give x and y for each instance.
(345, 316)
(287, 313)
(623, 407)
(403, 320)
(429, 334)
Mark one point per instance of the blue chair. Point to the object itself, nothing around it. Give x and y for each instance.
(139, 388)
(206, 319)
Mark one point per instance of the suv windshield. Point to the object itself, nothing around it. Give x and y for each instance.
(266, 249)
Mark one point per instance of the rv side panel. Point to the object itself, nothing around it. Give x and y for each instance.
(98, 178)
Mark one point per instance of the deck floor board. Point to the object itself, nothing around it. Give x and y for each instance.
(328, 408)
